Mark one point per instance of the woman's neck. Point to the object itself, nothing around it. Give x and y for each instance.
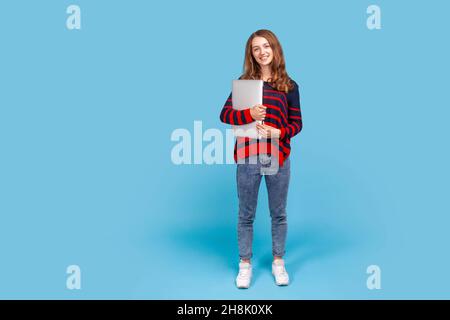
(266, 73)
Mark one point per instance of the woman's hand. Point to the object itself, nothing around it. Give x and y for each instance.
(258, 112)
(266, 131)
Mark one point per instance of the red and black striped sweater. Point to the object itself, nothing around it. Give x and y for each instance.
(283, 112)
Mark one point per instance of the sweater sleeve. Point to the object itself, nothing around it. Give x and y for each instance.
(295, 123)
(235, 117)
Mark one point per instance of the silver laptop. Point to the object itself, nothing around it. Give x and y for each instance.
(246, 94)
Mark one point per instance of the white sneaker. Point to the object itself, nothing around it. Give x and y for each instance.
(280, 273)
(244, 277)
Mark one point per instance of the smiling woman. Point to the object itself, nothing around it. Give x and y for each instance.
(264, 60)
(262, 52)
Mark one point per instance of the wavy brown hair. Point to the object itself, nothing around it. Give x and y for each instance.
(252, 71)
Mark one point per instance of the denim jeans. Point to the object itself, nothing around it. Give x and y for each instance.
(248, 181)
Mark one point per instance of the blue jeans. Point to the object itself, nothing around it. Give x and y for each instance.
(248, 181)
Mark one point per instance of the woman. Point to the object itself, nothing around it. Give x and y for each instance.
(280, 111)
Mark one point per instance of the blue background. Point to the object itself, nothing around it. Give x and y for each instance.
(86, 176)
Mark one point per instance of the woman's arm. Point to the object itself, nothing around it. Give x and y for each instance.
(295, 123)
(235, 117)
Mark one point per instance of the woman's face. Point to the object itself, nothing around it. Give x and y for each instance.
(261, 50)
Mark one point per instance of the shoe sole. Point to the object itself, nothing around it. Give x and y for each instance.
(242, 287)
(280, 284)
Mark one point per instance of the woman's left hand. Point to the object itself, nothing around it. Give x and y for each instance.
(266, 131)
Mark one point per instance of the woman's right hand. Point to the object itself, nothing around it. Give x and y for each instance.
(258, 112)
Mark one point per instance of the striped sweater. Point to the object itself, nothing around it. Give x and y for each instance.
(283, 112)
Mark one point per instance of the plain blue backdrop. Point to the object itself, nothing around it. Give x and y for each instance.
(86, 176)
